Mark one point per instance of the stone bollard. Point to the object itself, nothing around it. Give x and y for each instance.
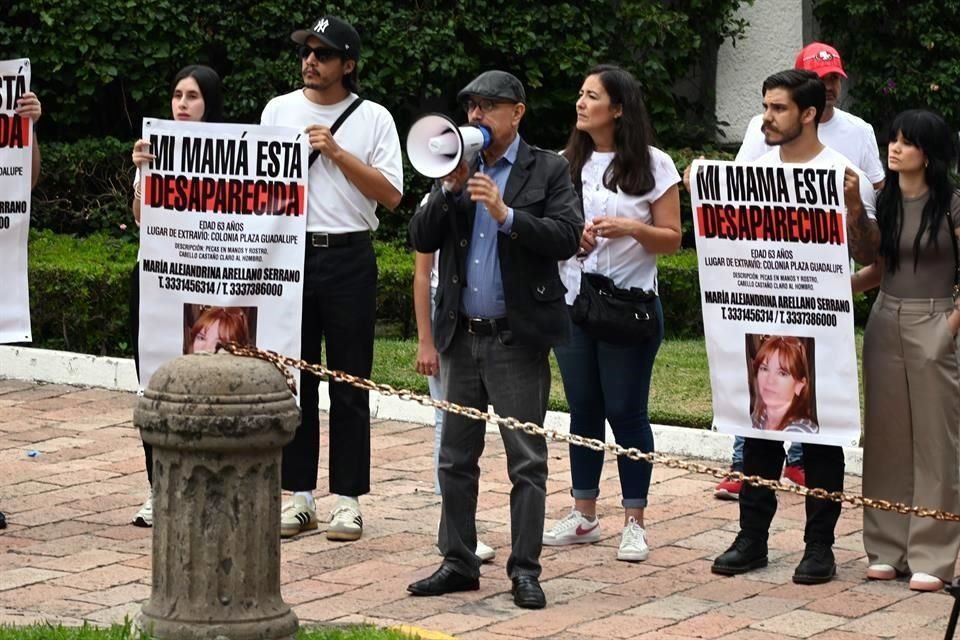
(217, 423)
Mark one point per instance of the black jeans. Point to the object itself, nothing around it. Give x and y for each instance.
(476, 371)
(339, 308)
(824, 466)
(135, 346)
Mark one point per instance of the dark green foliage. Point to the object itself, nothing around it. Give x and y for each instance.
(85, 187)
(416, 55)
(903, 55)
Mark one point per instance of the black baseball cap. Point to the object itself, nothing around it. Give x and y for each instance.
(495, 84)
(335, 33)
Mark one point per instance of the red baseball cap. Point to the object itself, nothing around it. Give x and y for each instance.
(820, 58)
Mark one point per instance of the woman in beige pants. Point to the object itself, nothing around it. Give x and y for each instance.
(910, 363)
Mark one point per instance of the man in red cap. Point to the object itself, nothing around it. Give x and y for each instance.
(843, 132)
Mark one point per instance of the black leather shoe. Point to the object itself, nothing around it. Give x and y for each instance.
(527, 593)
(745, 554)
(444, 580)
(3, 521)
(817, 565)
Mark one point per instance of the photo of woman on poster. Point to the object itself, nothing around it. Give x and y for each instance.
(781, 383)
(216, 325)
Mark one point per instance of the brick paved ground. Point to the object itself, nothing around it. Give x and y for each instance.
(69, 554)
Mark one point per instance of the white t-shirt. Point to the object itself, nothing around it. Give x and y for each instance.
(845, 133)
(335, 205)
(831, 158)
(623, 260)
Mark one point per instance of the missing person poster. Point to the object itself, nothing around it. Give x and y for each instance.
(223, 221)
(16, 175)
(777, 309)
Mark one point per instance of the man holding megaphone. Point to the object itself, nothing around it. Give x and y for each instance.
(501, 223)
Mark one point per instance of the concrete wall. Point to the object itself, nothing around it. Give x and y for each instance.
(775, 35)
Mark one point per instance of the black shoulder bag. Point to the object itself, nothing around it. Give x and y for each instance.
(336, 125)
(610, 313)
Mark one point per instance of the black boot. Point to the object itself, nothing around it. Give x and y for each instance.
(745, 554)
(817, 565)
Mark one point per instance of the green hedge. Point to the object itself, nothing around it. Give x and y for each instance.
(79, 292)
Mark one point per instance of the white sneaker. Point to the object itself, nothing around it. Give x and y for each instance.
(144, 517)
(573, 529)
(925, 582)
(297, 515)
(881, 571)
(346, 523)
(633, 544)
(486, 553)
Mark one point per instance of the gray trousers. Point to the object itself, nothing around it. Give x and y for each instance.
(476, 371)
(912, 423)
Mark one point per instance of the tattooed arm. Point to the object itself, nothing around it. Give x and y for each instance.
(863, 234)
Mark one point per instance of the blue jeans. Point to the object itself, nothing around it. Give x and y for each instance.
(794, 454)
(606, 381)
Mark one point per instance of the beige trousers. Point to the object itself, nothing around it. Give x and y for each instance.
(912, 422)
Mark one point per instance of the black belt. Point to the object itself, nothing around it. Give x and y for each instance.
(484, 326)
(321, 240)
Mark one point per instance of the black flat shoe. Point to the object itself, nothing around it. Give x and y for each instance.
(444, 580)
(527, 593)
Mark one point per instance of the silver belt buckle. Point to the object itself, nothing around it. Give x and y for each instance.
(320, 240)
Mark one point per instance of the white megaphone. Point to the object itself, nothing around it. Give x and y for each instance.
(436, 145)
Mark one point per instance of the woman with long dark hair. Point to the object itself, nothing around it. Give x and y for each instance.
(910, 366)
(631, 206)
(197, 96)
(781, 379)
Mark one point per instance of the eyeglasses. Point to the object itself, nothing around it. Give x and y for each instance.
(484, 104)
(322, 54)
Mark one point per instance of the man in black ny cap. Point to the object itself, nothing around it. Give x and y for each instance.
(501, 226)
(355, 165)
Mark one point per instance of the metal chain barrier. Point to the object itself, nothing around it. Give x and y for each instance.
(282, 362)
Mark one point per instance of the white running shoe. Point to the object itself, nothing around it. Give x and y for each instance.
(485, 552)
(573, 529)
(925, 582)
(346, 523)
(296, 516)
(144, 517)
(633, 544)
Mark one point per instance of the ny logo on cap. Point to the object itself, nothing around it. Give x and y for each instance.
(322, 25)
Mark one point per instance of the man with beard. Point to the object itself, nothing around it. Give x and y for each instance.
(355, 165)
(793, 102)
(843, 132)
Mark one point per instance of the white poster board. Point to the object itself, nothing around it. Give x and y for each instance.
(223, 223)
(777, 304)
(16, 175)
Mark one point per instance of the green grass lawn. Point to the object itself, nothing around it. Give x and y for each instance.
(679, 395)
(123, 632)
